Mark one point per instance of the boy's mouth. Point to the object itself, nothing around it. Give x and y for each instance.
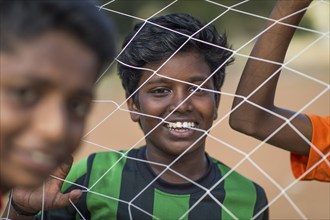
(181, 129)
(36, 160)
(180, 125)
(41, 158)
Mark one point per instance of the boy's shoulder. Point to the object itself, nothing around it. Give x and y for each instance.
(101, 161)
(239, 188)
(96, 164)
(234, 180)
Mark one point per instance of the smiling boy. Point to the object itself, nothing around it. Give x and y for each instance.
(160, 97)
(50, 57)
(167, 178)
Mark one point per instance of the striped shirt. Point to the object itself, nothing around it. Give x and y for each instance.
(124, 187)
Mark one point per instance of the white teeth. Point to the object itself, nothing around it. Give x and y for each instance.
(181, 125)
(40, 157)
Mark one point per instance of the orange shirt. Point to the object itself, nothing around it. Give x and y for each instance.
(321, 140)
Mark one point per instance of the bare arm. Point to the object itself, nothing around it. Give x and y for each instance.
(272, 45)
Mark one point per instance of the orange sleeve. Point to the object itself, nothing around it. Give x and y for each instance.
(321, 140)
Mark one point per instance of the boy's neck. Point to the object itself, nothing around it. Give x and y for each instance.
(192, 165)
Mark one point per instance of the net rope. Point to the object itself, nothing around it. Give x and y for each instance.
(205, 133)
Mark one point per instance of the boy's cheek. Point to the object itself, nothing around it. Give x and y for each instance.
(13, 123)
(76, 136)
(73, 138)
(10, 125)
(11, 120)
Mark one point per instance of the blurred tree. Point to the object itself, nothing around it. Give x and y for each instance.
(237, 25)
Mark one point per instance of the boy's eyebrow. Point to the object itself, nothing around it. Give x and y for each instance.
(199, 78)
(160, 79)
(86, 93)
(37, 80)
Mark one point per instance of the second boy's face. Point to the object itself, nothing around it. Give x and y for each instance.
(46, 90)
(160, 96)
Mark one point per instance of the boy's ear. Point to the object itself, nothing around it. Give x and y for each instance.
(217, 102)
(215, 116)
(133, 108)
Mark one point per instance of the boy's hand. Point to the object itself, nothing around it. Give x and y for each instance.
(30, 200)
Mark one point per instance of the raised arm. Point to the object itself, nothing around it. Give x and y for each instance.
(271, 45)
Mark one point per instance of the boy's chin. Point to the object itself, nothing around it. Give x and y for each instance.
(181, 151)
(187, 147)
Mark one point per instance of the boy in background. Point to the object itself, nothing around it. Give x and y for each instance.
(258, 123)
(175, 100)
(51, 54)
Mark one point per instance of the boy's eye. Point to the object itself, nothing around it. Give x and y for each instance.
(160, 91)
(79, 108)
(195, 89)
(24, 95)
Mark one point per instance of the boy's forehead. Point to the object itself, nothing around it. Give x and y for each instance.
(60, 48)
(188, 66)
(53, 56)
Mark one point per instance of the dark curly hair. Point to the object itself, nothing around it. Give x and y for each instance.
(154, 44)
(24, 20)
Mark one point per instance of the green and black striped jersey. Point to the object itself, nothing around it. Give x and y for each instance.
(125, 187)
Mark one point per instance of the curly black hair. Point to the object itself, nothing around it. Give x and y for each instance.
(154, 44)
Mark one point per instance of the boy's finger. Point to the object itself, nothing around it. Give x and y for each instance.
(63, 200)
(75, 195)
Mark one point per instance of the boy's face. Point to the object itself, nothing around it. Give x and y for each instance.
(45, 94)
(160, 96)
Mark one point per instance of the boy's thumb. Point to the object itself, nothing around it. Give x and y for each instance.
(75, 195)
(63, 200)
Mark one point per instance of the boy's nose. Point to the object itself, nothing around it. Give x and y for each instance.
(181, 103)
(51, 122)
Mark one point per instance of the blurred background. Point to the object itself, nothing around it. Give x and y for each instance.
(294, 92)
